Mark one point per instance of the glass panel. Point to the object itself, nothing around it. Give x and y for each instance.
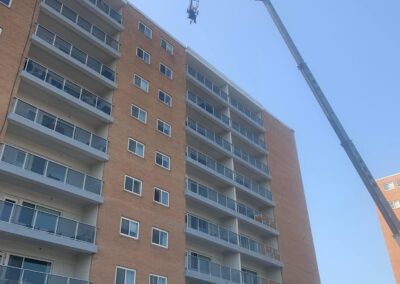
(85, 233)
(78, 55)
(55, 279)
(55, 80)
(120, 278)
(72, 89)
(66, 228)
(99, 143)
(35, 164)
(68, 13)
(56, 5)
(13, 156)
(75, 178)
(6, 210)
(56, 171)
(82, 135)
(25, 110)
(36, 70)
(45, 222)
(93, 185)
(23, 216)
(65, 128)
(46, 119)
(62, 45)
(45, 34)
(104, 106)
(98, 33)
(93, 64)
(88, 98)
(84, 24)
(125, 227)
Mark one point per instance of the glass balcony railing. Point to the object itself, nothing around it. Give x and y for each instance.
(60, 126)
(72, 16)
(50, 169)
(72, 89)
(15, 275)
(248, 113)
(215, 138)
(75, 53)
(117, 17)
(209, 108)
(221, 199)
(228, 275)
(207, 83)
(253, 137)
(219, 168)
(232, 238)
(46, 222)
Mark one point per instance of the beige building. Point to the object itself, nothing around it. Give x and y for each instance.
(127, 158)
(390, 187)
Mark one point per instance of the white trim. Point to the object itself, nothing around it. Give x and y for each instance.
(133, 105)
(164, 123)
(166, 68)
(144, 32)
(130, 221)
(137, 142)
(169, 160)
(134, 179)
(147, 90)
(166, 94)
(160, 230)
(144, 52)
(8, 6)
(158, 276)
(162, 190)
(167, 43)
(124, 268)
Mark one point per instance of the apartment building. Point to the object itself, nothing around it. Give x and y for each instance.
(390, 187)
(127, 158)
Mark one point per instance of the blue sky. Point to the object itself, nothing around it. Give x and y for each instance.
(352, 47)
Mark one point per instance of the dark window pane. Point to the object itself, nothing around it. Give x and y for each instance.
(72, 89)
(46, 119)
(25, 110)
(56, 171)
(93, 185)
(82, 135)
(13, 156)
(65, 128)
(35, 164)
(75, 178)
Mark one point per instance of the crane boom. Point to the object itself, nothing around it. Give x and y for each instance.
(352, 152)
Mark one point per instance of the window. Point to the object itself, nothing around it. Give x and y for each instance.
(164, 127)
(39, 266)
(165, 98)
(141, 83)
(139, 113)
(125, 276)
(159, 238)
(395, 204)
(145, 30)
(156, 279)
(167, 46)
(133, 185)
(161, 196)
(143, 55)
(166, 71)
(129, 228)
(6, 2)
(136, 147)
(388, 186)
(162, 160)
(398, 182)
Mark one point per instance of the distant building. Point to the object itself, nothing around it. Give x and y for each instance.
(127, 158)
(390, 187)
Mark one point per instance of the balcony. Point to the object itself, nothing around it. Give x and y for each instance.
(221, 203)
(247, 114)
(84, 28)
(205, 83)
(204, 270)
(30, 120)
(227, 241)
(39, 226)
(49, 175)
(67, 91)
(252, 188)
(74, 57)
(103, 10)
(216, 140)
(15, 275)
(248, 135)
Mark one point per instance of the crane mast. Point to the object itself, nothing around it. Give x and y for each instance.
(352, 152)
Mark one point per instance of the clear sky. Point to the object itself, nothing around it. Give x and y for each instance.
(352, 46)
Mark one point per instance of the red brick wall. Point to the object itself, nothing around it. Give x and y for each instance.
(392, 247)
(295, 239)
(140, 254)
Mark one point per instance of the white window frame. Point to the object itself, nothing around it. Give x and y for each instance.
(142, 80)
(163, 155)
(140, 109)
(158, 276)
(129, 220)
(161, 191)
(150, 31)
(137, 142)
(124, 268)
(167, 68)
(144, 53)
(166, 95)
(390, 184)
(169, 50)
(160, 230)
(134, 179)
(162, 131)
(395, 204)
(8, 6)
